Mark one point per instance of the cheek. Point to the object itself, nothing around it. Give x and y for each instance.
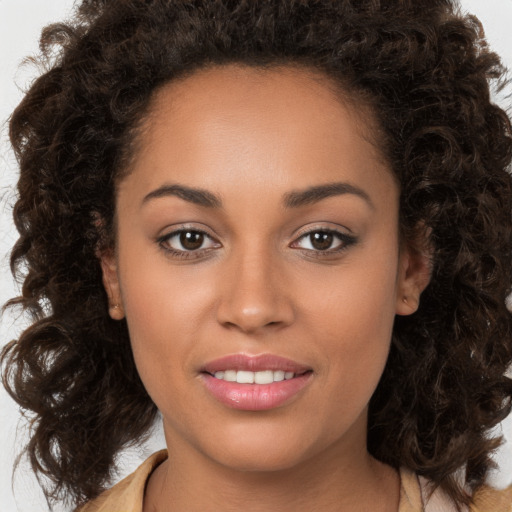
(358, 297)
(166, 307)
(352, 317)
(155, 290)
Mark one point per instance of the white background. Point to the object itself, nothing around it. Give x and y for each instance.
(20, 24)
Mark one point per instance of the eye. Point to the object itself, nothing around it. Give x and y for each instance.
(187, 240)
(324, 240)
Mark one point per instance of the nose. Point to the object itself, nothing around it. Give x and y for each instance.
(254, 295)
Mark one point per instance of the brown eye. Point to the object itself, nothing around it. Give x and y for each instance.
(326, 241)
(191, 240)
(184, 241)
(321, 240)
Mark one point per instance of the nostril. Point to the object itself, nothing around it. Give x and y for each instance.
(249, 310)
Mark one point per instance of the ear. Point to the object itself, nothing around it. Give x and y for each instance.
(414, 273)
(108, 263)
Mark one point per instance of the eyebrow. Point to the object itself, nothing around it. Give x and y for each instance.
(192, 195)
(293, 199)
(311, 195)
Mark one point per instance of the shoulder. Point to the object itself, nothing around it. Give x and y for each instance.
(415, 497)
(128, 494)
(488, 499)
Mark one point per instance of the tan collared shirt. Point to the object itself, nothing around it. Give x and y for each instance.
(128, 494)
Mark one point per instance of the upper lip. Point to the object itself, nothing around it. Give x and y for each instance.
(254, 363)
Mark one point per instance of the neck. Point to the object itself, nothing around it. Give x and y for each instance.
(337, 479)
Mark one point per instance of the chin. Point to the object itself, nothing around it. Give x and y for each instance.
(262, 451)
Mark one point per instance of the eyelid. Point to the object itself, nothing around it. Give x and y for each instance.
(323, 226)
(347, 239)
(190, 254)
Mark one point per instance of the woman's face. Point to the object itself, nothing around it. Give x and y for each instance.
(258, 237)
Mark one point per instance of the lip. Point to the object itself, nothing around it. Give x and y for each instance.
(255, 397)
(254, 364)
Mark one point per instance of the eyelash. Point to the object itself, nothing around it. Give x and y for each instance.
(345, 239)
(190, 254)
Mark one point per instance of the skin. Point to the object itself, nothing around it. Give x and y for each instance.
(256, 285)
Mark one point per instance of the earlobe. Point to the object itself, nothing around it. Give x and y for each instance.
(414, 276)
(111, 283)
(408, 305)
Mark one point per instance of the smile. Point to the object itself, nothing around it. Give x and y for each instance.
(255, 383)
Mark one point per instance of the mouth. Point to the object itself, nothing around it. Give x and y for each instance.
(255, 383)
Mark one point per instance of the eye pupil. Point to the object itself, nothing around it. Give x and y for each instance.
(321, 240)
(191, 240)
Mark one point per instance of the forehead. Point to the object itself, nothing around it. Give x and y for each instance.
(291, 92)
(237, 123)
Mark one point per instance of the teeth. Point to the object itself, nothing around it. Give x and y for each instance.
(266, 377)
(246, 377)
(278, 376)
(230, 375)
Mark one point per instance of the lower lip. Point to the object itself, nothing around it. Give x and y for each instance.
(255, 397)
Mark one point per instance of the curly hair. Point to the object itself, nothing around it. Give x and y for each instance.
(424, 70)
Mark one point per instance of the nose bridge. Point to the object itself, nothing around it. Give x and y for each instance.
(253, 294)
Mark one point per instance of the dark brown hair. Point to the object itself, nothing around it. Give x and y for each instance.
(425, 71)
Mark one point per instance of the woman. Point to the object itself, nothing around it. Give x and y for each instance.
(286, 227)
